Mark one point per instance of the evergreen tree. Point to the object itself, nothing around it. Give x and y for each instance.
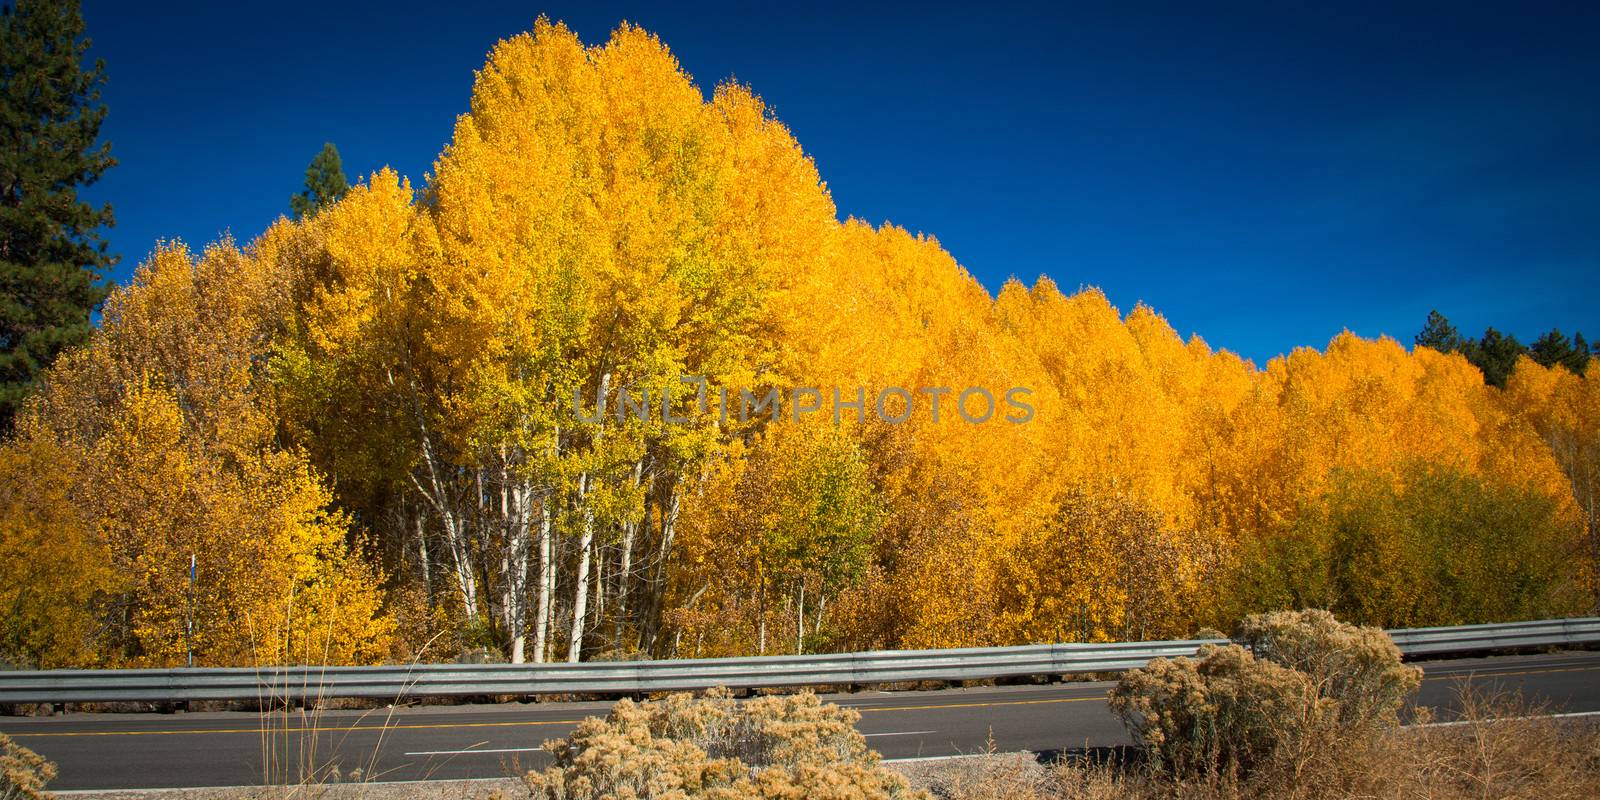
(1496, 354)
(52, 256)
(1554, 348)
(325, 183)
(1440, 335)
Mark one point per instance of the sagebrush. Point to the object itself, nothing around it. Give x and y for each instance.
(23, 773)
(789, 747)
(1306, 681)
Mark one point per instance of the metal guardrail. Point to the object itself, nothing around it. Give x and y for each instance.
(1496, 636)
(624, 677)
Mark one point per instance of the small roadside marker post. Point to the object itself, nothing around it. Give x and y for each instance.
(188, 630)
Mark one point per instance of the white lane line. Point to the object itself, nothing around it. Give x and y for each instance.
(470, 750)
(944, 758)
(896, 733)
(1507, 719)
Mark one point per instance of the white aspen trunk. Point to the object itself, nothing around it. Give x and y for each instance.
(425, 562)
(455, 535)
(625, 568)
(620, 592)
(460, 558)
(514, 505)
(669, 527)
(463, 565)
(541, 629)
(638, 534)
(599, 588)
(555, 583)
(580, 600)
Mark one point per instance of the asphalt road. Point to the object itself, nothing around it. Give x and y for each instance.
(135, 751)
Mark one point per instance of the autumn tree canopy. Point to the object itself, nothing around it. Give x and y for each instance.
(363, 426)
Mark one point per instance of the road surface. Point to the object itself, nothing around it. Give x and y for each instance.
(137, 751)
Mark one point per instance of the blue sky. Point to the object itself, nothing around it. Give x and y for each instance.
(1264, 176)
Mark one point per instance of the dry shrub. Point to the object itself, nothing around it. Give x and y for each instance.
(787, 748)
(23, 773)
(1308, 682)
(1312, 713)
(1223, 713)
(1359, 667)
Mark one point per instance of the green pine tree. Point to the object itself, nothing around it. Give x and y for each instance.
(1440, 335)
(1555, 348)
(325, 184)
(52, 256)
(1496, 354)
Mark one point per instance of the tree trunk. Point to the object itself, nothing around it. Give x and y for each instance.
(514, 508)
(541, 629)
(625, 567)
(599, 589)
(461, 558)
(438, 495)
(425, 562)
(658, 583)
(580, 599)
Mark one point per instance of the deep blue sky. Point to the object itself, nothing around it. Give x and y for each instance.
(1264, 176)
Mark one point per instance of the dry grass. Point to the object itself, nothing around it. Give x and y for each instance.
(1500, 747)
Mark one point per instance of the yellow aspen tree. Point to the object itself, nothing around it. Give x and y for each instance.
(56, 574)
(1565, 411)
(176, 460)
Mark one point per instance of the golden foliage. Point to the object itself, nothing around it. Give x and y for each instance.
(55, 573)
(166, 451)
(409, 358)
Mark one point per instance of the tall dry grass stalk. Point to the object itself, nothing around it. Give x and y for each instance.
(297, 759)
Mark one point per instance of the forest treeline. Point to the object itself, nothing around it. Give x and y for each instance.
(1497, 353)
(360, 426)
